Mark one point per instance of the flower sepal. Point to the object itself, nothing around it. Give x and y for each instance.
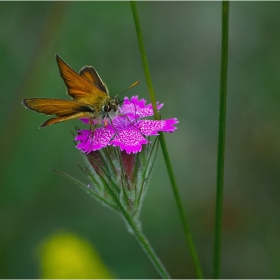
(120, 179)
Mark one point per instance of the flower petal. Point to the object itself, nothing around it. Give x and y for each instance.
(151, 127)
(94, 140)
(130, 140)
(135, 108)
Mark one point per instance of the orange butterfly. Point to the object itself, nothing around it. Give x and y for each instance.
(90, 98)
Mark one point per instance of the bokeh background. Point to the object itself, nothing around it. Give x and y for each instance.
(38, 207)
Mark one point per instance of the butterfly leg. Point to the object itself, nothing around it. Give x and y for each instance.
(92, 128)
(134, 124)
(116, 131)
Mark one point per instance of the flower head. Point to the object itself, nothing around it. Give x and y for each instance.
(127, 130)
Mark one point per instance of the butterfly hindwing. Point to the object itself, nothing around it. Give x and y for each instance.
(91, 75)
(64, 109)
(58, 107)
(61, 119)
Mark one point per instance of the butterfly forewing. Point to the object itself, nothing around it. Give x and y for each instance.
(78, 87)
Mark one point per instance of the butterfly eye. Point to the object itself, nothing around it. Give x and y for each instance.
(106, 108)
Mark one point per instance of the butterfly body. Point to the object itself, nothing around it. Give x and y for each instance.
(90, 98)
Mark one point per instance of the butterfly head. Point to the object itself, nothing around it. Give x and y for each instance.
(111, 107)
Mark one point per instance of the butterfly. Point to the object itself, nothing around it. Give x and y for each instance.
(90, 98)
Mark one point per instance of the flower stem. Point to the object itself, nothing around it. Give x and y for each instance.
(141, 238)
(221, 140)
(183, 217)
(146, 246)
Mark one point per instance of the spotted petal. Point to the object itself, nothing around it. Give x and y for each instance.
(94, 140)
(129, 139)
(152, 127)
(135, 108)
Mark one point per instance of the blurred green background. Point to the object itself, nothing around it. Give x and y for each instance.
(183, 47)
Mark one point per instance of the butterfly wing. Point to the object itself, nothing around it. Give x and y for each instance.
(63, 109)
(80, 87)
(61, 119)
(91, 75)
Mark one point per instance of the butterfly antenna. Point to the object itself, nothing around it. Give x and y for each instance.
(134, 84)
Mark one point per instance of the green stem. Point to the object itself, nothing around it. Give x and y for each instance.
(146, 246)
(141, 238)
(184, 221)
(221, 140)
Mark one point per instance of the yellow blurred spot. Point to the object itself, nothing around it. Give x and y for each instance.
(65, 255)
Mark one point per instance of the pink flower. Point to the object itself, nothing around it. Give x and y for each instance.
(127, 130)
